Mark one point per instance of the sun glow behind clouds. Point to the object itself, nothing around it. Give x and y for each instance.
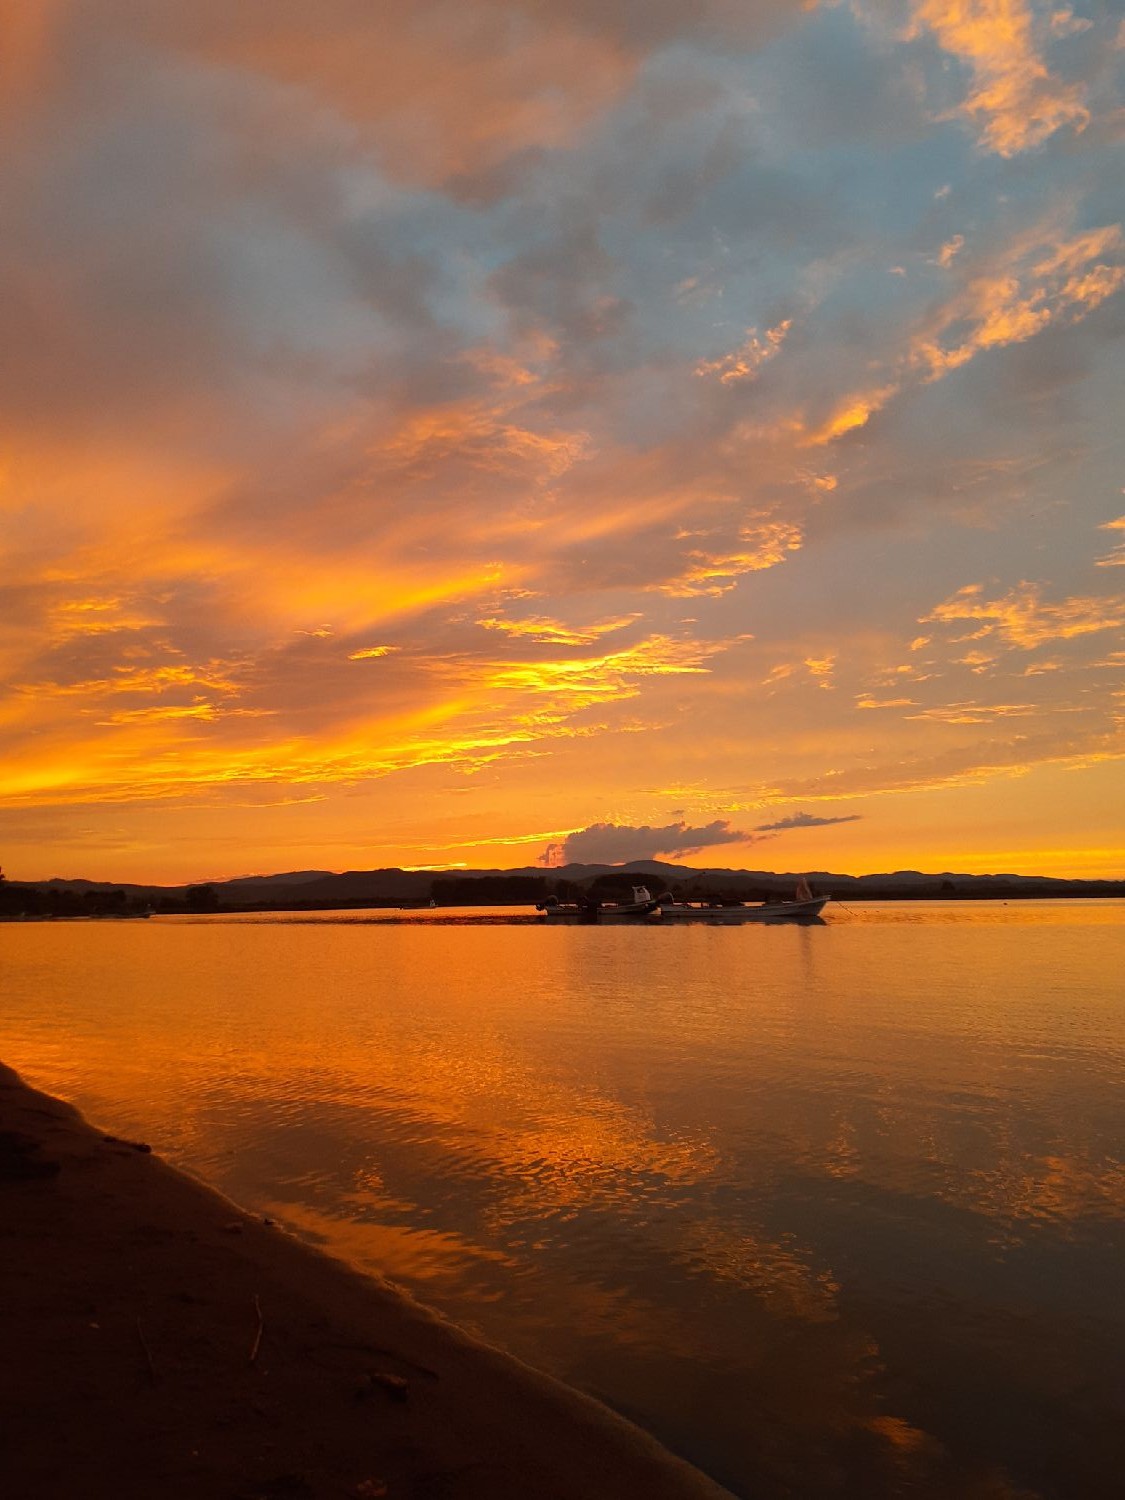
(420, 427)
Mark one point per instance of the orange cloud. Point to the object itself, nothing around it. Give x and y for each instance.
(950, 250)
(96, 616)
(555, 633)
(479, 437)
(355, 432)
(582, 681)
(172, 753)
(1115, 558)
(1022, 619)
(976, 661)
(198, 710)
(355, 596)
(1042, 279)
(213, 676)
(853, 412)
(975, 713)
(467, 714)
(821, 668)
(745, 361)
(1015, 101)
(28, 56)
(715, 573)
(974, 764)
(441, 91)
(1029, 288)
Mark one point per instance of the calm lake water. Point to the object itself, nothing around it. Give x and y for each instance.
(835, 1211)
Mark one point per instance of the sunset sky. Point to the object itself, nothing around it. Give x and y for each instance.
(476, 432)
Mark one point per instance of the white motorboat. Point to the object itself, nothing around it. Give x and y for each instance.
(591, 909)
(804, 905)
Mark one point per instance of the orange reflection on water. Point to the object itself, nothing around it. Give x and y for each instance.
(779, 1191)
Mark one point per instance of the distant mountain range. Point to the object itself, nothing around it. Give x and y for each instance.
(321, 889)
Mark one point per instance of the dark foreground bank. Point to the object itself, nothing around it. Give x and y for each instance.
(160, 1343)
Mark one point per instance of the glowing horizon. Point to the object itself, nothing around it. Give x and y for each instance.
(437, 437)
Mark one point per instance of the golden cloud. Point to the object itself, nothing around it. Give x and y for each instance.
(472, 714)
(478, 436)
(715, 573)
(1019, 297)
(975, 713)
(971, 764)
(554, 632)
(213, 676)
(744, 362)
(1116, 557)
(583, 681)
(1041, 279)
(1022, 619)
(821, 668)
(97, 616)
(853, 412)
(1015, 101)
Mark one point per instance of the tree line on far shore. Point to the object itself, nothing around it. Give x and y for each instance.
(28, 901)
(31, 900)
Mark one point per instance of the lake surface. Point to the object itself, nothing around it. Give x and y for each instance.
(835, 1210)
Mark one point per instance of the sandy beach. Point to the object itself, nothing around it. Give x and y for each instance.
(160, 1343)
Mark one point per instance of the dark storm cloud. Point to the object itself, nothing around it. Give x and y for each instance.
(617, 843)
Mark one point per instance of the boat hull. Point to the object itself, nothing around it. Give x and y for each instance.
(770, 911)
(592, 910)
(599, 914)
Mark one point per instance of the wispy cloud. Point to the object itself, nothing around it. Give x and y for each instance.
(1015, 101)
(804, 820)
(975, 713)
(762, 546)
(1026, 289)
(744, 362)
(370, 653)
(1115, 558)
(554, 632)
(584, 680)
(1045, 277)
(1022, 618)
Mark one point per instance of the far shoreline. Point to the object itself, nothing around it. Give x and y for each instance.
(530, 887)
(526, 909)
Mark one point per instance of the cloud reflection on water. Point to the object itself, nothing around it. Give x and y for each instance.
(825, 1208)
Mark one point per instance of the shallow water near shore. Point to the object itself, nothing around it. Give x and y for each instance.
(834, 1211)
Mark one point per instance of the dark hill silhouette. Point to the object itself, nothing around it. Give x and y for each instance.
(319, 890)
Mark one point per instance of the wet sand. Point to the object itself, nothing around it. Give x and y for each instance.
(161, 1344)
